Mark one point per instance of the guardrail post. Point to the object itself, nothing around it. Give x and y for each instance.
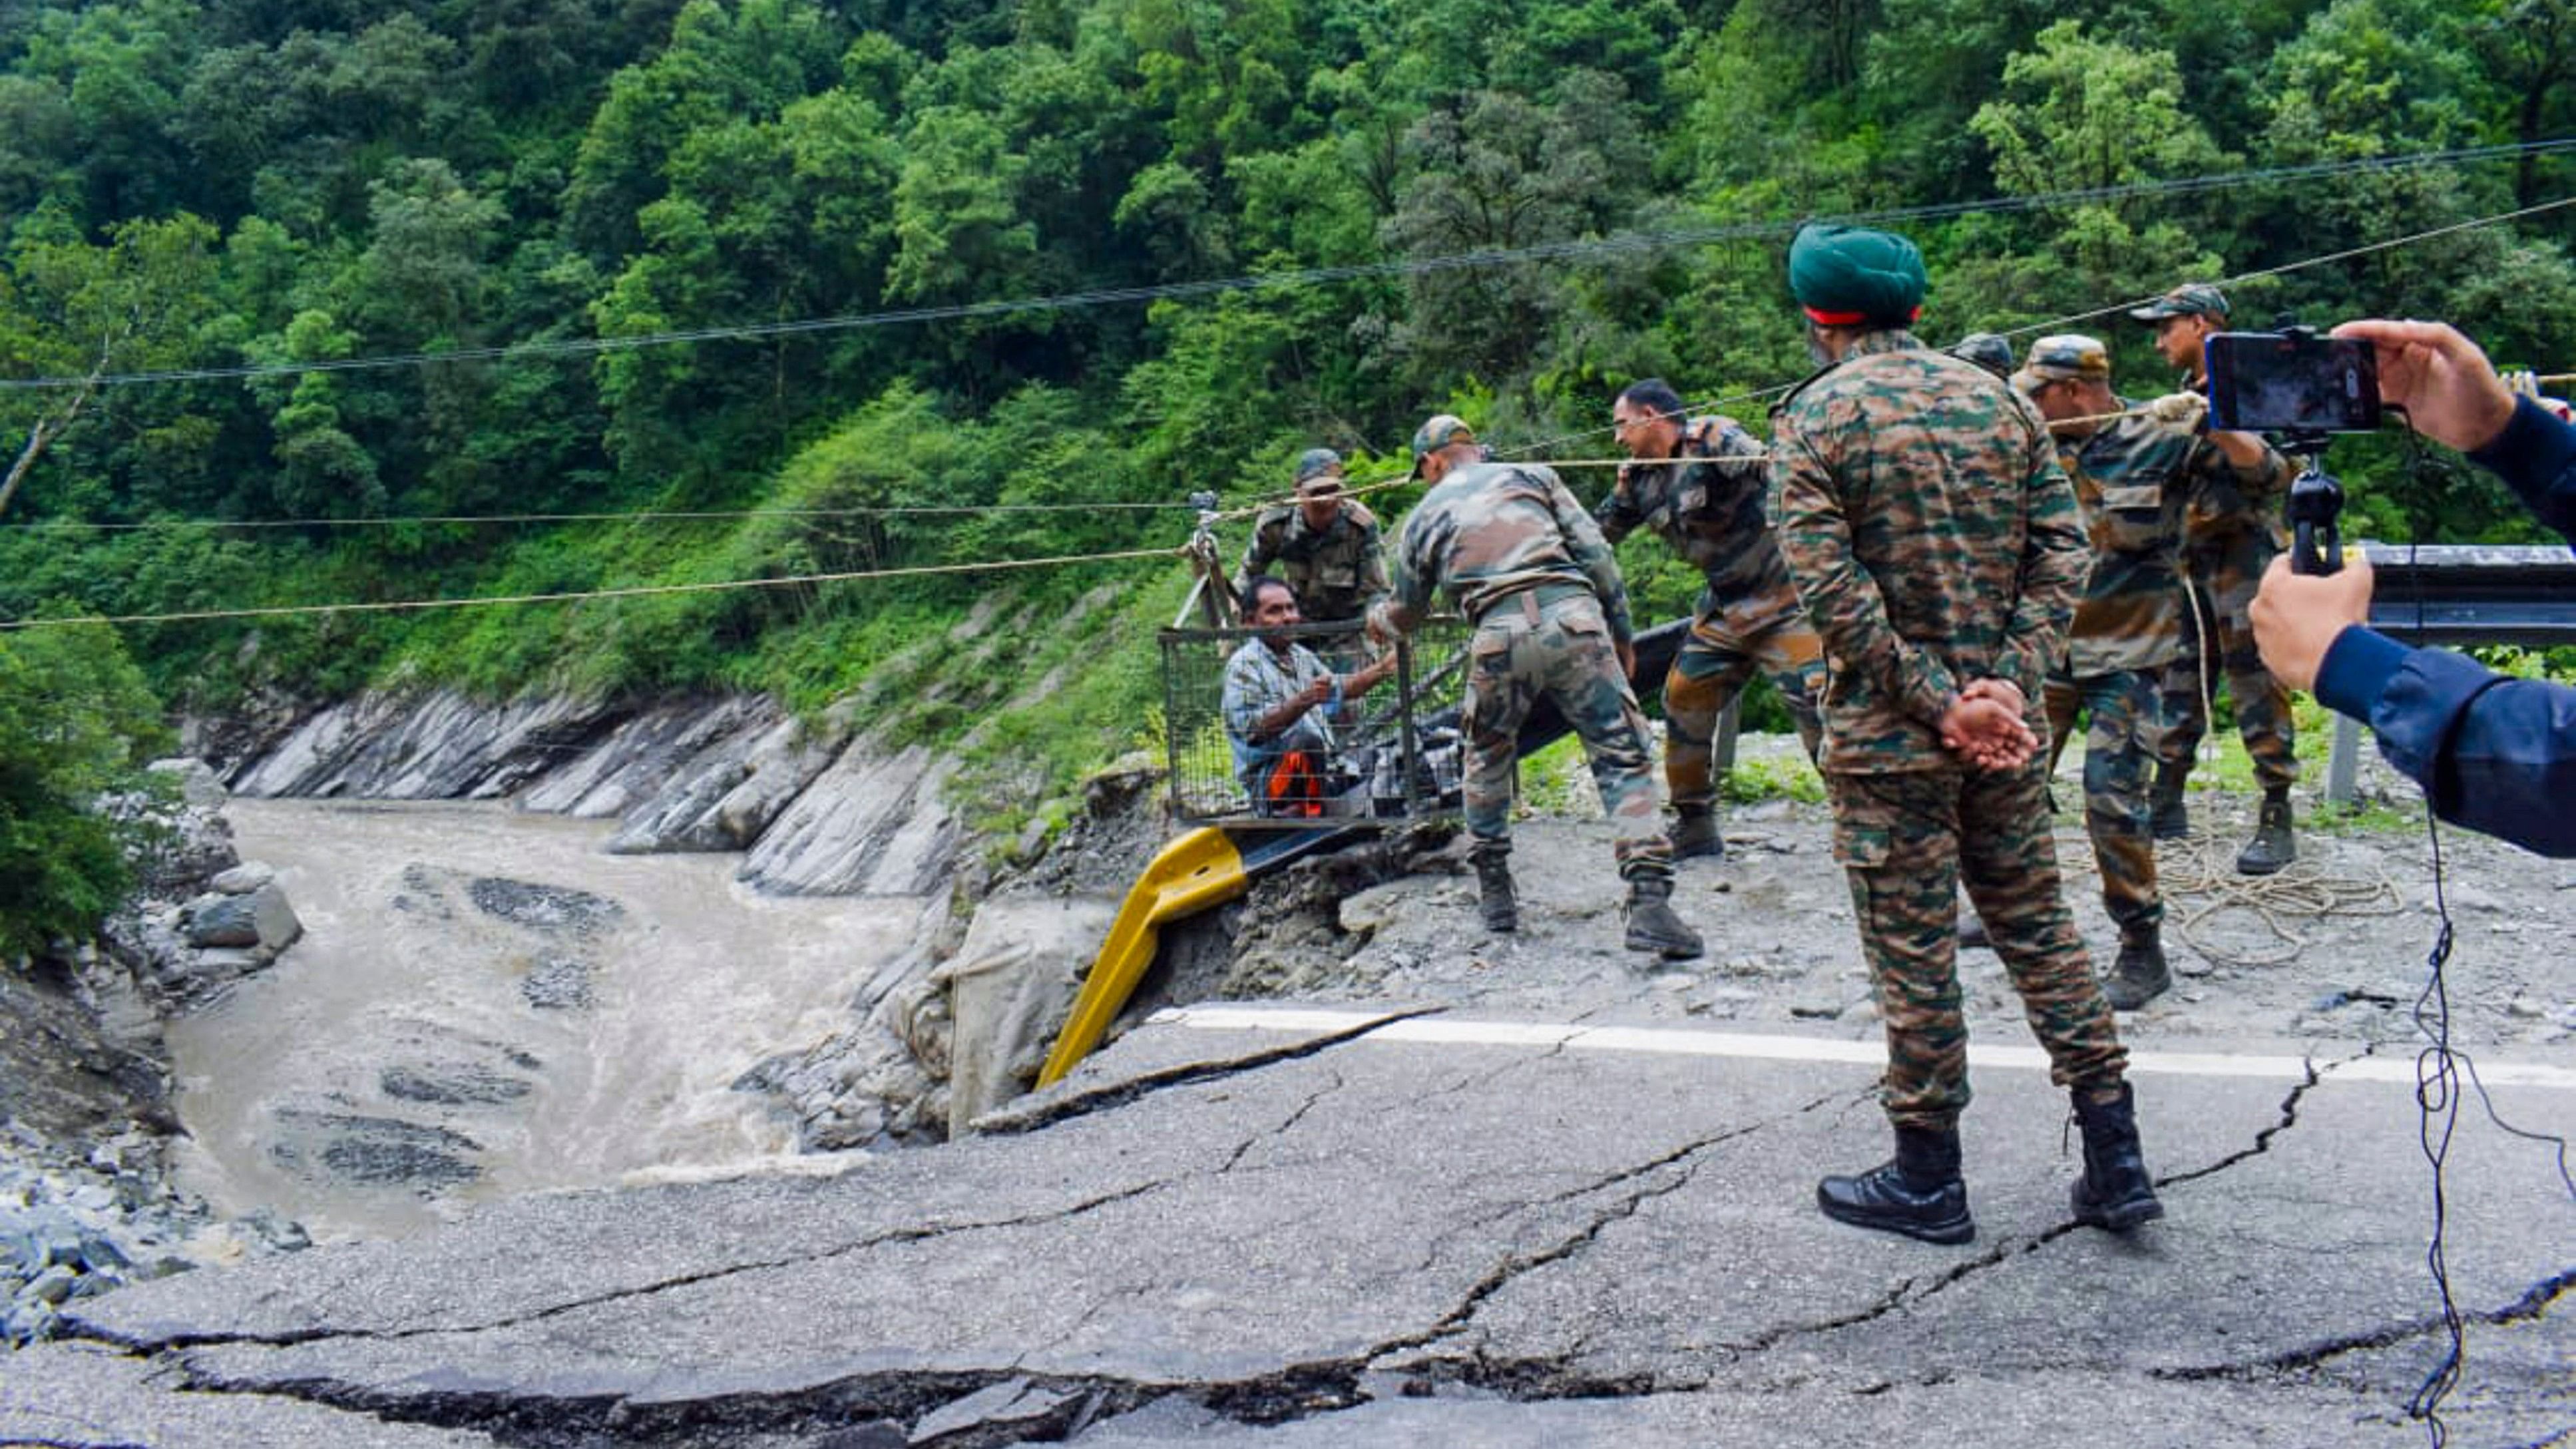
(2343, 761)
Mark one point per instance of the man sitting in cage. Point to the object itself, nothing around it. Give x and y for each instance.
(1280, 701)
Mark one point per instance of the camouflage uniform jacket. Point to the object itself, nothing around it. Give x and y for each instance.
(2135, 479)
(1337, 571)
(1491, 530)
(1712, 516)
(2219, 510)
(1932, 536)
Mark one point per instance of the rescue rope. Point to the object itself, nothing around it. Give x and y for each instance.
(2200, 867)
(646, 515)
(281, 611)
(2197, 877)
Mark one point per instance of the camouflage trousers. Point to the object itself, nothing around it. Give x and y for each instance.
(1711, 669)
(2223, 580)
(1525, 650)
(1907, 841)
(2120, 730)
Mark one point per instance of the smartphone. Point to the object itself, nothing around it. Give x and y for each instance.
(2279, 382)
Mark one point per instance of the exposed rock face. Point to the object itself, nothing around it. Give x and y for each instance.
(868, 826)
(440, 747)
(816, 807)
(734, 789)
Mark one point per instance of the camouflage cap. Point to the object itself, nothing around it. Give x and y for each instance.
(2067, 357)
(1989, 350)
(1439, 432)
(2191, 299)
(1318, 463)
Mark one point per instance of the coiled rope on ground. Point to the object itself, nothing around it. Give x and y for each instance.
(2202, 889)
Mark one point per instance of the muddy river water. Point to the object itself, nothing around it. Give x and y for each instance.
(486, 1004)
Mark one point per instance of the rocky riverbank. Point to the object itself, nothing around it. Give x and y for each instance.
(802, 807)
(86, 1200)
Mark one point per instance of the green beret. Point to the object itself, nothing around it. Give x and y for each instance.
(1846, 276)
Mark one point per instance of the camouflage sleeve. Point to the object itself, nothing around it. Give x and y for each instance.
(1408, 594)
(1373, 580)
(2056, 559)
(2223, 494)
(1256, 556)
(1734, 440)
(1840, 596)
(1617, 514)
(1591, 553)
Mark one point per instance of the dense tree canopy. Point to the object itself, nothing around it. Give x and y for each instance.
(203, 186)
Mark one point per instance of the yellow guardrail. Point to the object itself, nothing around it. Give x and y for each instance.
(1196, 871)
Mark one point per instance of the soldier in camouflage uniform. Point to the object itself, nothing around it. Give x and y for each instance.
(1748, 616)
(2228, 540)
(1934, 539)
(1325, 546)
(2134, 477)
(1522, 560)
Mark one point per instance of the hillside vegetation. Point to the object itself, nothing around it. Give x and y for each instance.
(195, 190)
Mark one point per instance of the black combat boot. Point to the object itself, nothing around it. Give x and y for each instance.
(2171, 819)
(2140, 975)
(1652, 925)
(2273, 846)
(1920, 1193)
(1695, 834)
(1494, 887)
(2115, 1192)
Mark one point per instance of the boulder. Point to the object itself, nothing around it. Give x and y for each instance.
(243, 879)
(261, 919)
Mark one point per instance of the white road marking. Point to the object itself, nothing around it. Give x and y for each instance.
(1691, 1041)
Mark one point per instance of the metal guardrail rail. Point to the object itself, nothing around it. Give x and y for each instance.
(2450, 595)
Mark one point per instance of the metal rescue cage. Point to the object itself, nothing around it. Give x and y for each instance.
(1396, 752)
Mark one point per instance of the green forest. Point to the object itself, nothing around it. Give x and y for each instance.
(805, 271)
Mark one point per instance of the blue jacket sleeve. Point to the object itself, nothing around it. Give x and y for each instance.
(2493, 753)
(2536, 454)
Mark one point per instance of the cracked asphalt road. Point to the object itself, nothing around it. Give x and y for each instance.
(1261, 1228)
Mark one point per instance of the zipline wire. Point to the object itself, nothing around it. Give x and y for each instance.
(648, 515)
(389, 606)
(1251, 510)
(1768, 394)
(1626, 243)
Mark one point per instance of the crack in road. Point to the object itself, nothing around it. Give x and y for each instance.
(532, 1418)
(1017, 1122)
(1244, 1148)
(136, 1347)
(2263, 1139)
(2531, 1304)
(1475, 1368)
(1906, 1294)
